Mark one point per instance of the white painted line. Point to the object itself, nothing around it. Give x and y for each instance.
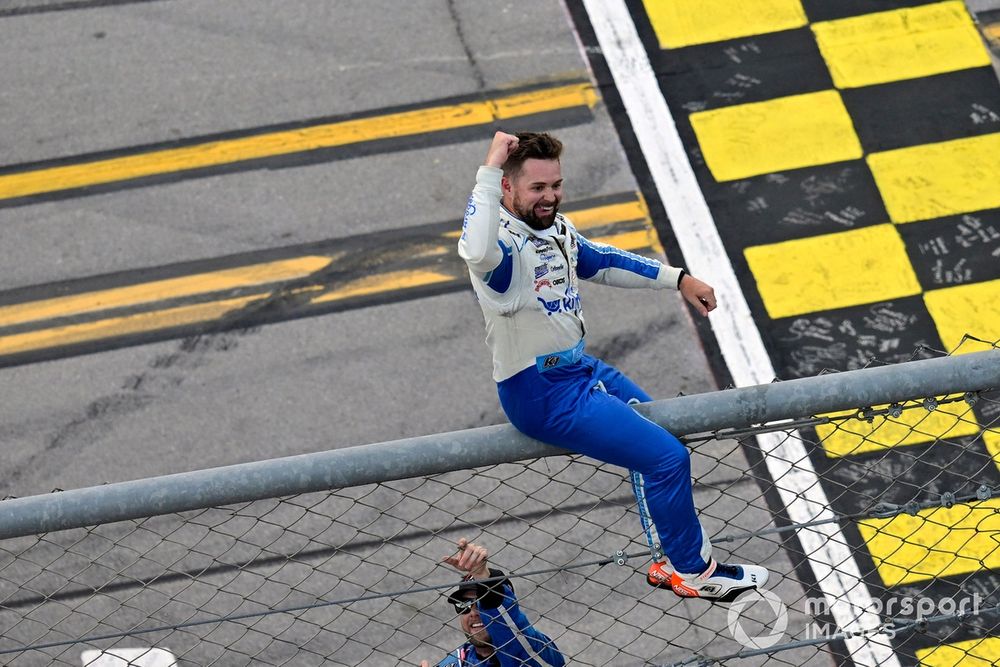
(830, 557)
(128, 657)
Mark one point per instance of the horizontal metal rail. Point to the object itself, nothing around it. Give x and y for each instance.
(490, 445)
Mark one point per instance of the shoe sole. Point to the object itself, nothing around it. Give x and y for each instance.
(729, 597)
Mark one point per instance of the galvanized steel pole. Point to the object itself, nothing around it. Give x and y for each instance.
(459, 450)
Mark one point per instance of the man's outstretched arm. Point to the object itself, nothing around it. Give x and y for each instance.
(608, 265)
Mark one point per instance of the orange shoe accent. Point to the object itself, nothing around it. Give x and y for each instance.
(658, 577)
(680, 588)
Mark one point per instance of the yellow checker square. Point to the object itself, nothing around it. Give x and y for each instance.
(938, 180)
(784, 133)
(914, 426)
(972, 309)
(938, 542)
(832, 271)
(971, 653)
(901, 44)
(687, 22)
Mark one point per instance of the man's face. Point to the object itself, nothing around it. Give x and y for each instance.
(472, 626)
(535, 192)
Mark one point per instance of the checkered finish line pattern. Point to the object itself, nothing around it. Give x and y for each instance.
(851, 161)
(849, 152)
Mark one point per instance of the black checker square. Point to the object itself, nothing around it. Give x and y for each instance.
(956, 250)
(846, 339)
(741, 71)
(904, 473)
(794, 204)
(926, 110)
(978, 591)
(987, 409)
(830, 10)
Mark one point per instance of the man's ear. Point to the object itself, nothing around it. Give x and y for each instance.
(505, 184)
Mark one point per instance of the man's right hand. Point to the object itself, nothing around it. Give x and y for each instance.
(500, 148)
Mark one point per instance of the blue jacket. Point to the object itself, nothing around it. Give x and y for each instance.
(517, 642)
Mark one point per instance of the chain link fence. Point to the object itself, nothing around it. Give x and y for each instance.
(354, 576)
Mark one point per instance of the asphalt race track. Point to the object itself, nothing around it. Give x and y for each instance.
(228, 229)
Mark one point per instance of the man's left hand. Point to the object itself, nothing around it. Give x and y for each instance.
(698, 293)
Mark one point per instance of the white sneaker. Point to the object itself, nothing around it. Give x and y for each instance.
(720, 582)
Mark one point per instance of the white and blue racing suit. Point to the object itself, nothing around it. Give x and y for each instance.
(527, 285)
(515, 640)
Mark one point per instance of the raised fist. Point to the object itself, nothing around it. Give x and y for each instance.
(500, 148)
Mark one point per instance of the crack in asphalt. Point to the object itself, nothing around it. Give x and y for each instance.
(477, 71)
(137, 392)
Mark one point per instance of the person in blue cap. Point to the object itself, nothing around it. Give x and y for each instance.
(497, 632)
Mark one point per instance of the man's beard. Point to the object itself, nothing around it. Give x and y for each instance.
(532, 220)
(480, 639)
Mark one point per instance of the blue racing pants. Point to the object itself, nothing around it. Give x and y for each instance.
(584, 406)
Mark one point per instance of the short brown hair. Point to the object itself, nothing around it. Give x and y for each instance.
(537, 145)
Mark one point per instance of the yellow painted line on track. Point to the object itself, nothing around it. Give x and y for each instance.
(900, 44)
(913, 427)
(330, 135)
(162, 290)
(972, 653)
(786, 133)
(599, 216)
(938, 180)
(938, 542)
(385, 282)
(686, 22)
(265, 273)
(122, 326)
(632, 241)
(401, 280)
(832, 271)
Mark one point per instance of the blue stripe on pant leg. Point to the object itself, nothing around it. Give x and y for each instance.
(621, 386)
(648, 527)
